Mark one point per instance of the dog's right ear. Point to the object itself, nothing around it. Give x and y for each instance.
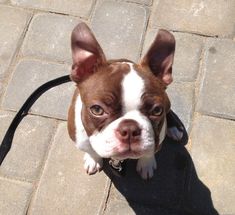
(159, 58)
(86, 52)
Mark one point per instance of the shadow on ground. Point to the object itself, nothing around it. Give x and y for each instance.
(175, 188)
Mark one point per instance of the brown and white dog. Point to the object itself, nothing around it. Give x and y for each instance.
(119, 107)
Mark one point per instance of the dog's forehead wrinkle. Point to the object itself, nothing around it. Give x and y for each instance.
(133, 87)
(107, 80)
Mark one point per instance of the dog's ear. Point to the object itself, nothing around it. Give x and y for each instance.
(86, 52)
(160, 56)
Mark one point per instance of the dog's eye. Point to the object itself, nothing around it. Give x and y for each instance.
(97, 110)
(157, 111)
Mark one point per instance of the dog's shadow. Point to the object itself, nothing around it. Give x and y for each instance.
(175, 188)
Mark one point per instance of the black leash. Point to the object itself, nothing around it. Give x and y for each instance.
(7, 140)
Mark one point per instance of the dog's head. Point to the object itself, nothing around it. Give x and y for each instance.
(121, 108)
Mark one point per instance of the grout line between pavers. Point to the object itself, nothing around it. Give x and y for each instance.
(48, 117)
(214, 115)
(129, 2)
(16, 181)
(36, 114)
(197, 86)
(147, 26)
(93, 9)
(198, 34)
(42, 10)
(36, 11)
(106, 196)
(194, 33)
(63, 14)
(43, 167)
(97, 3)
(138, 3)
(44, 60)
(201, 73)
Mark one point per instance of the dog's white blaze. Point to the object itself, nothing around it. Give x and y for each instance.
(132, 89)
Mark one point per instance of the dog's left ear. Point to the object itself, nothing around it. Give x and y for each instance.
(86, 53)
(160, 56)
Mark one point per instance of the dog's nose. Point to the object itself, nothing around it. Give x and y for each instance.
(128, 131)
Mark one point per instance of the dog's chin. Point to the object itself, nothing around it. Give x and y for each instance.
(118, 150)
(128, 153)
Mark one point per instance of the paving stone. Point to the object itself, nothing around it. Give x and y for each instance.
(181, 96)
(119, 28)
(73, 7)
(65, 188)
(29, 147)
(213, 154)
(119, 207)
(12, 24)
(217, 88)
(29, 75)
(202, 17)
(48, 37)
(187, 54)
(14, 198)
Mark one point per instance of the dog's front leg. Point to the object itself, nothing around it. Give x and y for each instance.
(92, 161)
(146, 166)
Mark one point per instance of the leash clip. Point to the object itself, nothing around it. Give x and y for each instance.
(116, 164)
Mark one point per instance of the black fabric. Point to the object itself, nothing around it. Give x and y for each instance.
(175, 188)
(174, 121)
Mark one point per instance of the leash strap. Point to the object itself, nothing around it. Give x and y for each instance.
(7, 140)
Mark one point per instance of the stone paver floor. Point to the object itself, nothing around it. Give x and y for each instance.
(43, 173)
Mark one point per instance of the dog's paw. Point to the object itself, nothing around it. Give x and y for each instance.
(174, 133)
(146, 166)
(92, 165)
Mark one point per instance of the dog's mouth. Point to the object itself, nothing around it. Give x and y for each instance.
(125, 151)
(129, 153)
